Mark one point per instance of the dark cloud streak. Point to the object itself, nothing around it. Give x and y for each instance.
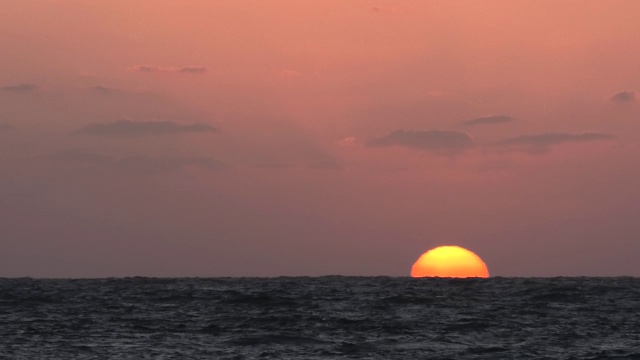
(193, 69)
(147, 68)
(155, 165)
(80, 159)
(163, 69)
(127, 127)
(105, 90)
(488, 120)
(19, 88)
(326, 165)
(541, 143)
(438, 141)
(624, 97)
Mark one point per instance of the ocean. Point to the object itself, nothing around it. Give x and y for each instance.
(331, 317)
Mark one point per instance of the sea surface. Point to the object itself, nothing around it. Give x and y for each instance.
(330, 317)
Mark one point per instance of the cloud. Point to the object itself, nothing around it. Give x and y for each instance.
(6, 127)
(624, 97)
(155, 165)
(383, 9)
(318, 165)
(326, 165)
(161, 69)
(439, 141)
(272, 165)
(127, 127)
(347, 141)
(541, 143)
(289, 73)
(105, 90)
(147, 68)
(88, 162)
(19, 88)
(79, 157)
(194, 69)
(486, 120)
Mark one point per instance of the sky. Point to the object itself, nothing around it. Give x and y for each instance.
(298, 138)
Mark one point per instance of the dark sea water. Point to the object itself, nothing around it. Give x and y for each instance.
(320, 318)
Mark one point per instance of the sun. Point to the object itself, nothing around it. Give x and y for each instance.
(449, 261)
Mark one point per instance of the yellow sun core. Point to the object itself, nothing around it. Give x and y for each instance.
(449, 261)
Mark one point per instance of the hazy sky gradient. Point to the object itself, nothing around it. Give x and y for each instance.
(252, 138)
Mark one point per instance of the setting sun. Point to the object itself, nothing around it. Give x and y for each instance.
(449, 261)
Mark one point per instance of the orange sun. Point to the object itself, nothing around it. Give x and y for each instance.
(449, 261)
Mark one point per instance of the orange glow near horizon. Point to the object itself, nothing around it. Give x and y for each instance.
(449, 261)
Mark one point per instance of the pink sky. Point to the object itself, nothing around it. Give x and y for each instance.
(253, 138)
